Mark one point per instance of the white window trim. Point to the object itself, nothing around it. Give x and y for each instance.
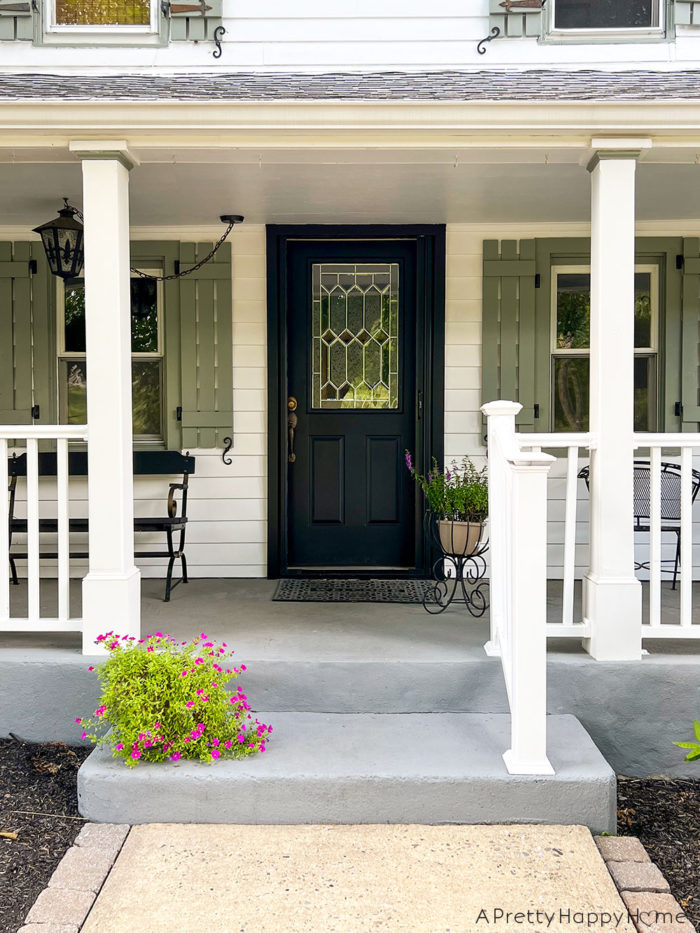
(103, 31)
(606, 35)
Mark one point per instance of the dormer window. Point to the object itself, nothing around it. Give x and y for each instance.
(607, 19)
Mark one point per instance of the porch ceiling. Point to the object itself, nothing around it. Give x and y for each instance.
(189, 187)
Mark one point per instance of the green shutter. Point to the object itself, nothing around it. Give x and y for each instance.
(686, 12)
(206, 347)
(690, 335)
(195, 20)
(515, 20)
(508, 328)
(16, 19)
(25, 334)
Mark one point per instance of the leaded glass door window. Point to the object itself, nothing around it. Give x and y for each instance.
(355, 334)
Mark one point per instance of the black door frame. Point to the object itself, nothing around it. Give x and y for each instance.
(430, 365)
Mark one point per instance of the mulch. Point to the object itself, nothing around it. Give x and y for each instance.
(40, 779)
(665, 816)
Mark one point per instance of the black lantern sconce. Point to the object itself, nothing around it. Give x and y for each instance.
(63, 243)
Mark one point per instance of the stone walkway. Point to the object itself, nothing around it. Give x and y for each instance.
(176, 878)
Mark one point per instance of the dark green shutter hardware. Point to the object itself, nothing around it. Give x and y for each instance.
(679, 262)
(537, 411)
(516, 19)
(494, 34)
(178, 412)
(678, 410)
(36, 412)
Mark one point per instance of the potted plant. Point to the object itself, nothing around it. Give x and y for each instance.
(458, 499)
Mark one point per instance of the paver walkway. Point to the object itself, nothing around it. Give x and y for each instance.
(444, 879)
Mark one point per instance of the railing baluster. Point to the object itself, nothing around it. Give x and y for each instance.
(655, 538)
(686, 615)
(63, 530)
(33, 581)
(4, 534)
(567, 615)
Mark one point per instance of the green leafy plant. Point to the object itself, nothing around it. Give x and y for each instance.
(694, 753)
(166, 700)
(459, 494)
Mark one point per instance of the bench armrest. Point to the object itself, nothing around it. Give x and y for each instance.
(172, 502)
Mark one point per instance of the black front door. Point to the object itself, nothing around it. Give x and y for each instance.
(351, 369)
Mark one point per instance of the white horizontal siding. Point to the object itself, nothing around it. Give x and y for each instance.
(355, 35)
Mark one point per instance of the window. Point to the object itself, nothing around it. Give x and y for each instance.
(146, 356)
(610, 18)
(118, 18)
(570, 347)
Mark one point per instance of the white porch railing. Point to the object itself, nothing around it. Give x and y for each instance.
(28, 436)
(518, 536)
(687, 444)
(575, 446)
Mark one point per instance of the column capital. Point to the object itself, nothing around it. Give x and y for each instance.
(617, 148)
(115, 150)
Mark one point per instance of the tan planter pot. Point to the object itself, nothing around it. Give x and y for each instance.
(460, 538)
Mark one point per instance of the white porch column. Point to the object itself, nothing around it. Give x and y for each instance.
(112, 587)
(612, 596)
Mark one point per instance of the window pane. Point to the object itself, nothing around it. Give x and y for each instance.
(103, 12)
(570, 392)
(643, 336)
(573, 310)
(144, 316)
(605, 14)
(75, 317)
(145, 387)
(355, 318)
(146, 396)
(644, 393)
(76, 392)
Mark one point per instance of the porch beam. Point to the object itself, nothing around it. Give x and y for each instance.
(612, 596)
(112, 587)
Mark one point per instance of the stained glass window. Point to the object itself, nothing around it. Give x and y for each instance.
(103, 12)
(355, 339)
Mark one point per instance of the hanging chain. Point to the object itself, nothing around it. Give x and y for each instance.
(175, 275)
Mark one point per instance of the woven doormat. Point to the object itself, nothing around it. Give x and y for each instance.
(351, 591)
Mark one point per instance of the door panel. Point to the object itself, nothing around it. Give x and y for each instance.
(351, 365)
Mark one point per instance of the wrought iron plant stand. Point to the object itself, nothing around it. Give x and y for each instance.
(460, 569)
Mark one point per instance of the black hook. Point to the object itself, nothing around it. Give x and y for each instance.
(229, 444)
(494, 34)
(218, 33)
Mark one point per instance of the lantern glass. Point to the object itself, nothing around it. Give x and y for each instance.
(63, 244)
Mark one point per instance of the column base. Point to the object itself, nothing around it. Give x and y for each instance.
(515, 765)
(111, 602)
(612, 607)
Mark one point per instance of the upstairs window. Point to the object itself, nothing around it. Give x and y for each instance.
(606, 18)
(135, 16)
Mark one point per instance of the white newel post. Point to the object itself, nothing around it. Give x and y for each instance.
(500, 426)
(612, 597)
(112, 587)
(528, 636)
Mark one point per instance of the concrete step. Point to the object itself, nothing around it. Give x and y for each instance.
(364, 768)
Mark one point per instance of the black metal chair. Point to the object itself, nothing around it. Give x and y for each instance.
(670, 503)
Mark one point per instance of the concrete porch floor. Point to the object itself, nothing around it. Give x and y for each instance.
(362, 658)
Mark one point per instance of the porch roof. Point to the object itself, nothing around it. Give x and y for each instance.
(484, 85)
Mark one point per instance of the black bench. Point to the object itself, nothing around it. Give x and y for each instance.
(146, 463)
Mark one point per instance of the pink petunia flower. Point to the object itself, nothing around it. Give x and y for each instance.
(84, 735)
(119, 747)
(136, 753)
(190, 704)
(215, 753)
(175, 756)
(78, 719)
(183, 674)
(91, 668)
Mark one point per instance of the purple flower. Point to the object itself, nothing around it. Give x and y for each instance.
(409, 461)
(430, 477)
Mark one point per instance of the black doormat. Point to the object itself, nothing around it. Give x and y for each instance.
(317, 590)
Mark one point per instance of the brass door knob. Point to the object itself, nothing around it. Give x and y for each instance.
(292, 421)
